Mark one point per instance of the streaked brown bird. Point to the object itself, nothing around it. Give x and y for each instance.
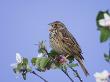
(63, 42)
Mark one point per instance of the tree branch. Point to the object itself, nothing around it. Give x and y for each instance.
(109, 49)
(75, 71)
(109, 52)
(67, 75)
(33, 72)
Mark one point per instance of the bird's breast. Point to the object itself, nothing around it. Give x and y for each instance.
(55, 42)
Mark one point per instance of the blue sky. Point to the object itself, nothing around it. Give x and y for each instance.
(25, 22)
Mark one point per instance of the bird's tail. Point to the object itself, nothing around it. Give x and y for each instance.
(82, 66)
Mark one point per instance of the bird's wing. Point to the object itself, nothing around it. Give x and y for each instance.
(71, 42)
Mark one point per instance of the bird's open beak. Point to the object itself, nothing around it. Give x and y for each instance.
(50, 24)
(50, 27)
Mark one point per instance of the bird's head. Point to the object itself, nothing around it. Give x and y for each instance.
(56, 25)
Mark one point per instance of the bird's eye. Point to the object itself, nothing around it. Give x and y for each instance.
(55, 24)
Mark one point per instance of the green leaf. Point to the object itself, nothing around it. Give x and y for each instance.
(41, 44)
(64, 67)
(107, 57)
(73, 65)
(53, 53)
(43, 63)
(19, 66)
(49, 64)
(25, 61)
(41, 50)
(38, 61)
(29, 69)
(71, 59)
(100, 15)
(42, 47)
(105, 34)
(33, 61)
(24, 76)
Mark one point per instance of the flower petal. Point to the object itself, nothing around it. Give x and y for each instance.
(97, 75)
(108, 23)
(106, 16)
(18, 58)
(14, 65)
(104, 75)
(102, 22)
(40, 55)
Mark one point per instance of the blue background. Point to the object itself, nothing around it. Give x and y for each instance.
(24, 23)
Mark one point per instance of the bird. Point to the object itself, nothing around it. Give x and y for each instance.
(63, 42)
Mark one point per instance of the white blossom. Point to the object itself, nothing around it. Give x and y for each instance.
(102, 76)
(105, 21)
(40, 55)
(19, 58)
(14, 65)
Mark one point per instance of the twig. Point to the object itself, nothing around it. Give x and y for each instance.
(67, 75)
(33, 72)
(109, 49)
(46, 51)
(109, 52)
(75, 71)
(61, 69)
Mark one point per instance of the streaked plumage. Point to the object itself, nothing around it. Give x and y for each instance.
(63, 42)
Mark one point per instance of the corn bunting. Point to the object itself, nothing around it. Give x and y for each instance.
(63, 42)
